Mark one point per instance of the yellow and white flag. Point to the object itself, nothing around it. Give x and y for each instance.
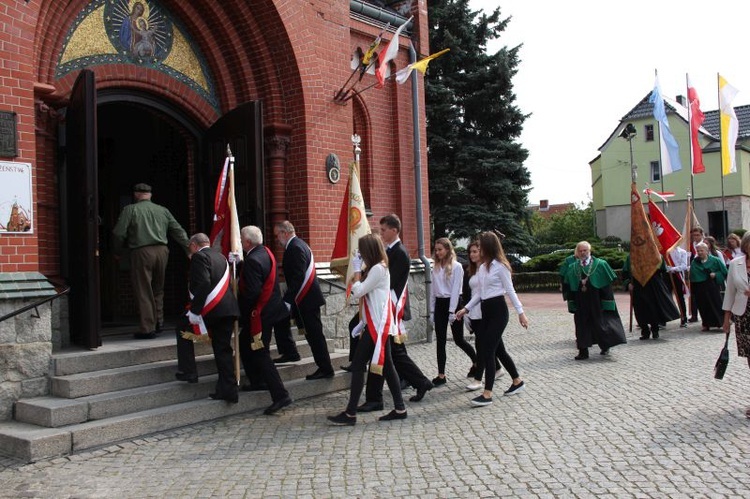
(729, 126)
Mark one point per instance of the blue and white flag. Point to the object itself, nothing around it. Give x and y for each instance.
(670, 151)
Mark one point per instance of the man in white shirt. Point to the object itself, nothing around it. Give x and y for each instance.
(677, 265)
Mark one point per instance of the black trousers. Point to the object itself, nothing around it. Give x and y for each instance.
(363, 354)
(441, 334)
(221, 342)
(490, 339)
(353, 341)
(185, 350)
(285, 343)
(405, 368)
(258, 365)
(313, 326)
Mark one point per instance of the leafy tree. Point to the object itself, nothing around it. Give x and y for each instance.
(477, 178)
(573, 225)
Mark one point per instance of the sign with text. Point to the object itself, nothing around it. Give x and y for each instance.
(15, 198)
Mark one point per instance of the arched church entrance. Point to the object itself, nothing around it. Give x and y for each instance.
(139, 143)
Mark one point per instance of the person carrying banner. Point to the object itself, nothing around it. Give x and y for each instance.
(303, 296)
(399, 264)
(261, 310)
(652, 302)
(213, 305)
(677, 265)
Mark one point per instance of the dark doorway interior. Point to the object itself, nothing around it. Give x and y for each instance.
(139, 144)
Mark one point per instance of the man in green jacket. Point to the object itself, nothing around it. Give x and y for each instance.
(143, 228)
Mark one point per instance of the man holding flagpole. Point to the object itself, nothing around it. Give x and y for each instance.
(214, 305)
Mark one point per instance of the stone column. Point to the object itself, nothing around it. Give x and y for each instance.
(277, 140)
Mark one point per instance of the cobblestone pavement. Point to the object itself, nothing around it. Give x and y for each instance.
(648, 420)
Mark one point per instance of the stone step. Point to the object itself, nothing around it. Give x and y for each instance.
(30, 442)
(61, 411)
(125, 351)
(132, 376)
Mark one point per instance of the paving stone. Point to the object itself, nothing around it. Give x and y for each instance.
(648, 420)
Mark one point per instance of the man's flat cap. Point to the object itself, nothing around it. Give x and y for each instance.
(141, 188)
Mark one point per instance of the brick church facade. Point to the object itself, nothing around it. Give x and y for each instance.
(98, 95)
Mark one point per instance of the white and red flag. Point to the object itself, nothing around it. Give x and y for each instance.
(225, 231)
(666, 233)
(388, 54)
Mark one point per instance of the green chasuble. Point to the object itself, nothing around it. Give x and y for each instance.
(597, 274)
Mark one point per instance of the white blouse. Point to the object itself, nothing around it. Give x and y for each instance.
(376, 289)
(474, 284)
(444, 287)
(495, 282)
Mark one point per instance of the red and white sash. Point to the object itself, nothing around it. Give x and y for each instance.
(399, 307)
(213, 299)
(378, 332)
(256, 324)
(307, 282)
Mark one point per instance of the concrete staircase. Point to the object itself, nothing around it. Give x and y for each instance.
(126, 389)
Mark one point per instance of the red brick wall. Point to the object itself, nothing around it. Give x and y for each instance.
(293, 55)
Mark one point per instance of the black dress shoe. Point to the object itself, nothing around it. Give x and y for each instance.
(342, 419)
(277, 406)
(421, 392)
(582, 355)
(232, 399)
(437, 381)
(370, 406)
(347, 368)
(190, 378)
(392, 416)
(644, 337)
(319, 374)
(250, 387)
(286, 358)
(145, 336)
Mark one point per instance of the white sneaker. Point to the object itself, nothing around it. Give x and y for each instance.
(476, 385)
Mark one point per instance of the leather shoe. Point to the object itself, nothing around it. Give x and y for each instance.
(249, 387)
(232, 399)
(145, 336)
(319, 374)
(370, 406)
(277, 406)
(421, 392)
(392, 416)
(347, 368)
(190, 378)
(286, 358)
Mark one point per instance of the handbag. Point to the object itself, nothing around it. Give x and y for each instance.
(721, 363)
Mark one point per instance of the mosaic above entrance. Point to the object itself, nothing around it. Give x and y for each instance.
(139, 32)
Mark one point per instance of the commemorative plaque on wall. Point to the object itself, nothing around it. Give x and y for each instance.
(8, 147)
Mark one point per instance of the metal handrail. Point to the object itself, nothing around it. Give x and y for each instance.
(35, 305)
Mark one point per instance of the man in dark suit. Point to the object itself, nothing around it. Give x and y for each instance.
(399, 265)
(303, 296)
(213, 304)
(261, 309)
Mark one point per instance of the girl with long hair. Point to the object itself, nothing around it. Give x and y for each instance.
(495, 282)
(373, 287)
(447, 281)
